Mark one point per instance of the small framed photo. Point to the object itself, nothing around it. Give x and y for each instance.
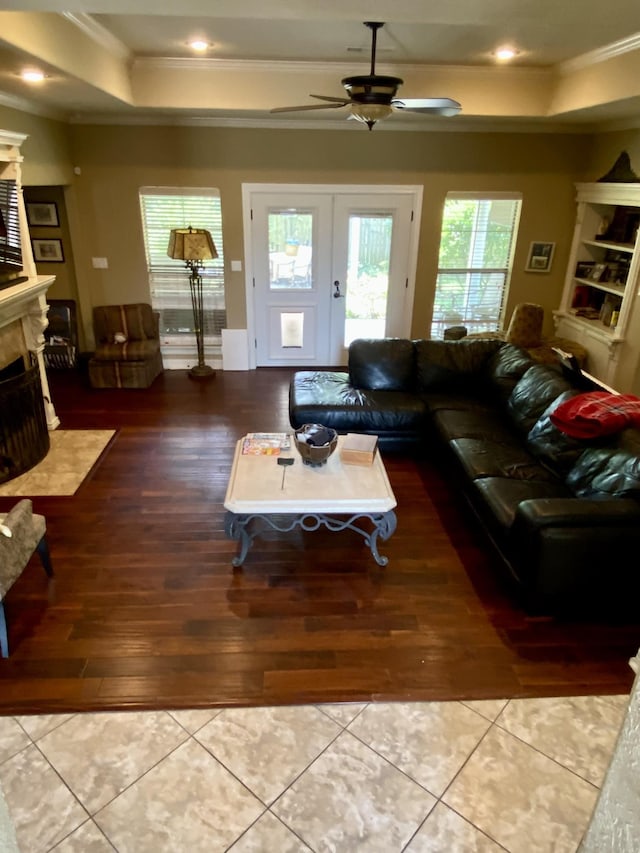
(598, 272)
(42, 213)
(540, 257)
(47, 251)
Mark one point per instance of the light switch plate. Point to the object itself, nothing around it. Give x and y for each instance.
(100, 263)
(236, 266)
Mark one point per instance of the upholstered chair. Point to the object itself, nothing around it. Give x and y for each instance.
(127, 351)
(22, 533)
(525, 330)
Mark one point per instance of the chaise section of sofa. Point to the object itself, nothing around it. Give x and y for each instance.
(377, 396)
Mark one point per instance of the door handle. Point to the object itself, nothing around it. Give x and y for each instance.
(337, 294)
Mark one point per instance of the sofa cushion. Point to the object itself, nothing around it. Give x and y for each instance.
(534, 393)
(553, 447)
(486, 458)
(611, 471)
(382, 365)
(476, 420)
(504, 369)
(502, 496)
(451, 365)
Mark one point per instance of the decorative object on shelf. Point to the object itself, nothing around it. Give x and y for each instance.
(315, 443)
(610, 304)
(540, 257)
(42, 214)
(47, 251)
(598, 272)
(620, 172)
(623, 227)
(583, 269)
(194, 246)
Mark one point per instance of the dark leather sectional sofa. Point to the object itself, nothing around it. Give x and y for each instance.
(564, 513)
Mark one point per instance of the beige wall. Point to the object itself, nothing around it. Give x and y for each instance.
(100, 169)
(116, 161)
(46, 151)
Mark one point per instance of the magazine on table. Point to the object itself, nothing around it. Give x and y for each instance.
(265, 443)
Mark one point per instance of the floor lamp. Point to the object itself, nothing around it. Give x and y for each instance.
(194, 246)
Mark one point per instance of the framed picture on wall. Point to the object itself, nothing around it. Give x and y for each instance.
(47, 251)
(42, 213)
(540, 257)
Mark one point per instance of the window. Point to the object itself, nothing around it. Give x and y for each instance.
(474, 264)
(162, 209)
(10, 244)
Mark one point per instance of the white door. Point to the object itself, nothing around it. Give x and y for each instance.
(328, 265)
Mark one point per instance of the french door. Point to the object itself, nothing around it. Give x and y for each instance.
(327, 265)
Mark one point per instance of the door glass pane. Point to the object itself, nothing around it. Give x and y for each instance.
(290, 249)
(367, 276)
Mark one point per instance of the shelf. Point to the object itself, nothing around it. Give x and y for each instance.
(608, 287)
(614, 247)
(605, 332)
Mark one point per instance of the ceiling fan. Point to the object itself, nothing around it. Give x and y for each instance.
(373, 97)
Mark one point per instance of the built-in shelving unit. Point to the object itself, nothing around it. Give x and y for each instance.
(602, 278)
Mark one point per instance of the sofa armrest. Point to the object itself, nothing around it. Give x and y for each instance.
(569, 553)
(577, 512)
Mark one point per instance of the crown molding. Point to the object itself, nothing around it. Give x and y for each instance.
(263, 66)
(601, 54)
(97, 33)
(24, 105)
(457, 124)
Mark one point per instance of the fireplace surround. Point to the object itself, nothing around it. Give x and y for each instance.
(23, 319)
(24, 436)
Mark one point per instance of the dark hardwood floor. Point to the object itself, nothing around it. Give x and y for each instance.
(147, 611)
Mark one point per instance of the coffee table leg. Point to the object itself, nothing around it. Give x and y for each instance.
(235, 526)
(384, 527)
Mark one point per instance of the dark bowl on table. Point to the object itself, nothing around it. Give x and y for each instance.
(315, 443)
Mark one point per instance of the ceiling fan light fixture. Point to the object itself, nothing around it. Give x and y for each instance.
(369, 114)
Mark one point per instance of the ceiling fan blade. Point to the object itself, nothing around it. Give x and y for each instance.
(307, 107)
(343, 101)
(428, 106)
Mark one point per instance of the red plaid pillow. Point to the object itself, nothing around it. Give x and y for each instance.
(596, 413)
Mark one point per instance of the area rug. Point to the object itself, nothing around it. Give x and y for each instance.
(71, 456)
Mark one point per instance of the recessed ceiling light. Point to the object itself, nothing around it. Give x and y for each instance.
(199, 45)
(32, 75)
(504, 54)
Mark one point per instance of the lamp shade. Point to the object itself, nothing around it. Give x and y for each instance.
(191, 244)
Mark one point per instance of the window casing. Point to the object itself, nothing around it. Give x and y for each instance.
(164, 208)
(475, 259)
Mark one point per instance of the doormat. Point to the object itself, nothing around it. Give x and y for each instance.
(71, 456)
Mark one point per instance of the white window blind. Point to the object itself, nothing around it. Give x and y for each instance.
(474, 264)
(164, 208)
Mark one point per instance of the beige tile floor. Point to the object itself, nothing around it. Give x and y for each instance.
(520, 775)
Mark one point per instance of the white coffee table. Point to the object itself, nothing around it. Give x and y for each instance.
(335, 495)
